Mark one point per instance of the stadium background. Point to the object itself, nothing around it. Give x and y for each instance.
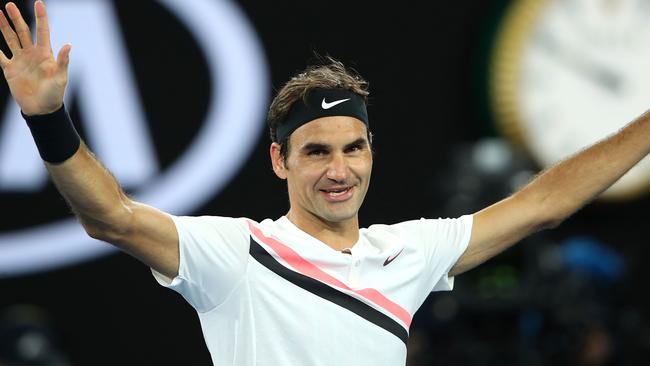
(574, 295)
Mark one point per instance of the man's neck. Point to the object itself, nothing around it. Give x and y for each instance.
(337, 235)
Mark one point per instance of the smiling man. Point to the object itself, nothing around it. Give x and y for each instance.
(321, 147)
(310, 288)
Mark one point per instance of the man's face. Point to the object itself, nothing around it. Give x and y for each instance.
(327, 168)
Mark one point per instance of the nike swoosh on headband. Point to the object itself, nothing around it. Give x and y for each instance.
(326, 105)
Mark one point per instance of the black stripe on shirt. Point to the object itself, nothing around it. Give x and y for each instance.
(328, 293)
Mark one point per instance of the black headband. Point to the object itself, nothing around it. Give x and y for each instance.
(322, 103)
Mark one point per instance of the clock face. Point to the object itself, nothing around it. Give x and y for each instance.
(567, 73)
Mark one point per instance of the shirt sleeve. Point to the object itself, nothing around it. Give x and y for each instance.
(213, 259)
(442, 242)
(449, 240)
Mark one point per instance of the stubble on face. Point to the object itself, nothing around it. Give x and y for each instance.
(328, 171)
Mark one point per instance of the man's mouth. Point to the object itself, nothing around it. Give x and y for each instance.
(337, 194)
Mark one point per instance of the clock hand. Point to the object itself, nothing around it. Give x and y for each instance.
(577, 62)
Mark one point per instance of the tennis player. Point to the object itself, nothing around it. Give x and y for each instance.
(311, 287)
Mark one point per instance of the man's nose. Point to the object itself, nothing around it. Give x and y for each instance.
(338, 169)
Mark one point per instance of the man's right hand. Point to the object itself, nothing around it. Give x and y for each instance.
(37, 81)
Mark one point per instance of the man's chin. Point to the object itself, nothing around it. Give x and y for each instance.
(338, 216)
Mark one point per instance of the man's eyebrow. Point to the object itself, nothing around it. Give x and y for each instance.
(360, 142)
(315, 146)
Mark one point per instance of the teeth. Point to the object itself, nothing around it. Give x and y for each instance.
(337, 192)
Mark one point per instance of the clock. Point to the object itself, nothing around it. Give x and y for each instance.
(564, 74)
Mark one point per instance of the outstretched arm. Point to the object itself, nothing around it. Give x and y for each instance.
(556, 193)
(37, 82)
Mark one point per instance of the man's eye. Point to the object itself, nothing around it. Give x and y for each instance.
(353, 149)
(317, 152)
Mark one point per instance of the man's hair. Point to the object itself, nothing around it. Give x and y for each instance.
(327, 73)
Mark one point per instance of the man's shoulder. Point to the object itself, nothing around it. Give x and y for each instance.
(216, 223)
(396, 226)
(413, 226)
(415, 234)
(210, 219)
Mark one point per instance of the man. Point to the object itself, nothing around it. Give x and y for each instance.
(310, 288)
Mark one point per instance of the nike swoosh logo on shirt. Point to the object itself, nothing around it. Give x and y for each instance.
(329, 105)
(389, 259)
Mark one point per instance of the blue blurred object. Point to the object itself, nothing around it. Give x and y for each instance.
(531, 322)
(596, 259)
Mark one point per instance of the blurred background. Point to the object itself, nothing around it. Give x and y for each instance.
(469, 100)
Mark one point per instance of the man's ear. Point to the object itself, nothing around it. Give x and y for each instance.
(277, 160)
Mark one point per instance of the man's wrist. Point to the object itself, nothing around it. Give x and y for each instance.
(55, 136)
(40, 112)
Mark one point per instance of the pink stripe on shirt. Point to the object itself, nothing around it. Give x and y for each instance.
(307, 268)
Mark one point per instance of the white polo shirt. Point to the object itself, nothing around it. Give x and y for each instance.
(270, 294)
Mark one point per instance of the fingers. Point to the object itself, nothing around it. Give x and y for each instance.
(22, 37)
(63, 58)
(42, 26)
(22, 29)
(9, 34)
(3, 60)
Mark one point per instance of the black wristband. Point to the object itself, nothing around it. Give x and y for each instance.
(55, 136)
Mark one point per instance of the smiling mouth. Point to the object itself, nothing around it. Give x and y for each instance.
(337, 194)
